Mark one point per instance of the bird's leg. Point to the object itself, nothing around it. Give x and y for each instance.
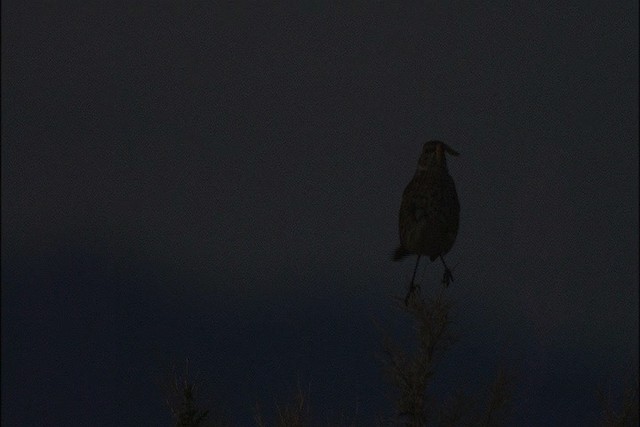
(413, 286)
(447, 277)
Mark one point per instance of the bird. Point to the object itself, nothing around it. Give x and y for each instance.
(430, 211)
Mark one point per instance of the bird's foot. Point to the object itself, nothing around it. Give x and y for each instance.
(414, 292)
(447, 277)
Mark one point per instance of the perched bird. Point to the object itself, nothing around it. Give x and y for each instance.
(429, 212)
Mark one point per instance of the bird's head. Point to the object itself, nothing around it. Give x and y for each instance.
(433, 155)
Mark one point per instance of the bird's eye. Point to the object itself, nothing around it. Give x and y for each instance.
(430, 147)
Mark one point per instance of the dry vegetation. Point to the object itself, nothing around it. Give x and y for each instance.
(410, 370)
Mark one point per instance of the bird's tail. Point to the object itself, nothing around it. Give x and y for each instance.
(400, 253)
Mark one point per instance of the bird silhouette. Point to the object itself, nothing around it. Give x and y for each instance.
(430, 211)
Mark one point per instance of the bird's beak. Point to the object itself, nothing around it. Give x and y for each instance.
(450, 150)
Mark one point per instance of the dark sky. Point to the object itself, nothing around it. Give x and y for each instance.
(221, 183)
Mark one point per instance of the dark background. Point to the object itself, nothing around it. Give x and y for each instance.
(221, 183)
